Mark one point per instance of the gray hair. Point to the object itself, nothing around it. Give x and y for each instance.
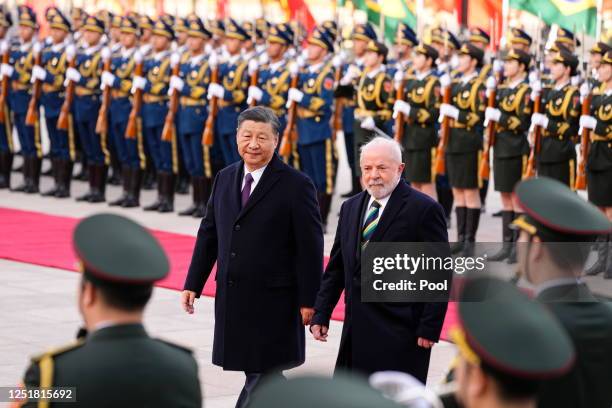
(260, 114)
(395, 150)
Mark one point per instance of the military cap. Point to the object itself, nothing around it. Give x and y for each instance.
(428, 51)
(479, 35)
(217, 27)
(568, 59)
(378, 47)
(78, 14)
(116, 21)
(520, 36)
(198, 29)
(492, 314)
(130, 25)
(444, 36)
(59, 21)
(473, 51)
(50, 12)
(145, 22)
(263, 25)
(607, 58)
(557, 46)
(27, 17)
(164, 29)
(406, 35)
(106, 17)
(307, 392)
(168, 19)
(252, 30)
(112, 248)
(518, 55)
(364, 32)
(600, 48)
(332, 29)
(567, 37)
(278, 34)
(235, 30)
(322, 39)
(93, 23)
(555, 213)
(181, 25)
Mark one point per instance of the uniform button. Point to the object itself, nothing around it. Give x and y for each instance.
(237, 228)
(233, 255)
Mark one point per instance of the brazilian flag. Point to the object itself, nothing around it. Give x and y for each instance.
(394, 11)
(572, 15)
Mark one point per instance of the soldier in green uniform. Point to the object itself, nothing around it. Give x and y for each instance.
(599, 162)
(597, 53)
(420, 105)
(555, 233)
(493, 369)
(559, 121)
(118, 364)
(466, 114)
(513, 108)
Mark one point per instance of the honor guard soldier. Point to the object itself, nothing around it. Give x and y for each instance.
(51, 72)
(520, 40)
(115, 33)
(119, 78)
(146, 35)
(405, 42)
(154, 85)
(466, 114)
(314, 97)
(599, 163)
(559, 121)
(192, 84)
(263, 27)
(420, 105)
(596, 54)
(447, 45)
(231, 91)
(249, 51)
(180, 29)
(567, 39)
(511, 113)
(86, 78)
(217, 27)
(117, 363)
(6, 126)
(556, 231)
(78, 16)
(274, 78)
(481, 39)
(493, 369)
(361, 36)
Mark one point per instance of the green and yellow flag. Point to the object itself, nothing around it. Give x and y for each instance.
(394, 11)
(569, 14)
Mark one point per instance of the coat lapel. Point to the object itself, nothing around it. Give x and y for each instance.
(356, 218)
(270, 176)
(394, 205)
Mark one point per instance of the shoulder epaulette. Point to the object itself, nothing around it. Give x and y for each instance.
(59, 350)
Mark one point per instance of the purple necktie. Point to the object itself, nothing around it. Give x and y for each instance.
(246, 190)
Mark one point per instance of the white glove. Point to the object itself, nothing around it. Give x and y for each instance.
(138, 82)
(70, 52)
(401, 107)
(539, 119)
(337, 61)
(254, 94)
(533, 76)
(138, 56)
(175, 58)
(491, 83)
(498, 66)
(575, 80)
(398, 77)
(6, 70)
(294, 68)
(72, 74)
(492, 114)
(38, 73)
(588, 122)
(536, 88)
(449, 110)
(445, 80)
(253, 66)
(107, 79)
(585, 90)
(295, 95)
(105, 53)
(213, 60)
(37, 47)
(176, 83)
(4, 46)
(215, 90)
(263, 59)
(352, 73)
(368, 123)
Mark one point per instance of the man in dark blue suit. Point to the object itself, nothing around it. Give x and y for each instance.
(381, 336)
(262, 228)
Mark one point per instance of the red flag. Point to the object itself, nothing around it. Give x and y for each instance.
(481, 13)
(222, 8)
(298, 10)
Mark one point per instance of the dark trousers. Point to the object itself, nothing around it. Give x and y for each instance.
(251, 382)
(60, 144)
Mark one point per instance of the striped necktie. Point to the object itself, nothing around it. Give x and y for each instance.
(370, 224)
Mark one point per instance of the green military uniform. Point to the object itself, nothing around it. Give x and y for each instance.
(554, 213)
(375, 99)
(422, 93)
(118, 365)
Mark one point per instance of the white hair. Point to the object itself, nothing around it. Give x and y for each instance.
(395, 150)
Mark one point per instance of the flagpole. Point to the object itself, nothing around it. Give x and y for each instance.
(420, 6)
(599, 27)
(505, 17)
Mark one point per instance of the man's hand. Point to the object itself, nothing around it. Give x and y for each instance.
(319, 332)
(187, 299)
(423, 342)
(307, 313)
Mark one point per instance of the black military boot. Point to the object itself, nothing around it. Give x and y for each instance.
(6, 164)
(515, 235)
(149, 178)
(168, 187)
(155, 205)
(507, 238)
(117, 171)
(125, 179)
(182, 184)
(33, 187)
(64, 178)
(205, 186)
(91, 181)
(55, 174)
(83, 174)
(133, 197)
(461, 214)
(196, 196)
(26, 171)
(99, 192)
(471, 226)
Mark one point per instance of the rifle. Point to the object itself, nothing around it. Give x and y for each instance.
(63, 119)
(208, 136)
(102, 122)
(4, 87)
(530, 172)
(255, 73)
(168, 129)
(339, 102)
(289, 133)
(485, 166)
(132, 125)
(32, 113)
(399, 119)
(585, 136)
(440, 163)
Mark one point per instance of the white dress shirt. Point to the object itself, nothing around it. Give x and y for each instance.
(256, 177)
(383, 203)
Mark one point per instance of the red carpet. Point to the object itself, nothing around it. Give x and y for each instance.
(43, 239)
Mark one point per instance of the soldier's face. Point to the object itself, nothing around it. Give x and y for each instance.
(160, 42)
(275, 50)
(511, 68)
(146, 35)
(128, 40)
(26, 33)
(115, 34)
(257, 142)
(359, 47)
(558, 70)
(315, 52)
(605, 72)
(371, 59)
(380, 172)
(520, 46)
(419, 61)
(233, 45)
(465, 63)
(195, 44)
(182, 37)
(58, 35)
(92, 37)
(471, 383)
